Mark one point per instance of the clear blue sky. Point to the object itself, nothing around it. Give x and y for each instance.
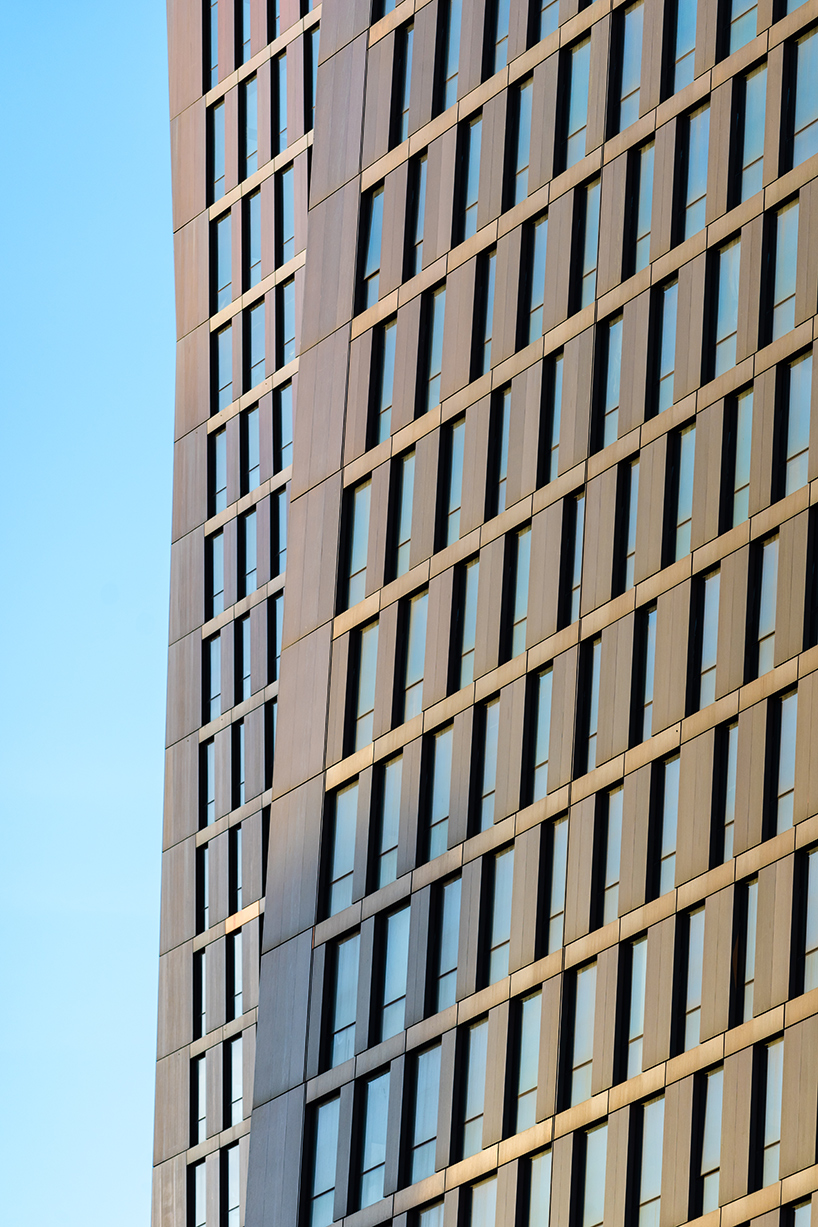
(87, 420)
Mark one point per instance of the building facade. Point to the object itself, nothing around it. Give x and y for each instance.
(490, 870)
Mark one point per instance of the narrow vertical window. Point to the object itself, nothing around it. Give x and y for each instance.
(785, 259)
(239, 763)
(695, 156)
(440, 790)
(468, 171)
(197, 1193)
(797, 411)
(212, 679)
(465, 629)
(249, 449)
(539, 1194)
(742, 23)
(625, 526)
(550, 447)
(747, 970)
(446, 980)
(249, 126)
(629, 67)
(483, 314)
(203, 888)
(650, 1173)
(324, 1162)
(541, 733)
(388, 821)
(726, 314)
(638, 952)
(415, 211)
(684, 44)
(358, 503)
(680, 492)
(810, 980)
(750, 123)
(216, 151)
(424, 1119)
(254, 345)
(285, 215)
(641, 197)
(222, 262)
(233, 1083)
(577, 71)
(710, 1161)
(521, 154)
(375, 1111)
(475, 1051)
(489, 727)
(415, 650)
(767, 572)
(693, 986)
(588, 244)
(401, 83)
(383, 385)
(404, 470)
(805, 116)
(611, 365)
(248, 554)
(593, 1192)
(311, 44)
(231, 1182)
(212, 58)
(432, 350)
(282, 427)
(582, 1033)
(252, 239)
(528, 1057)
(665, 339)
(453, 439)
(285, 311)
(244, 40)
(395, 965)
(207, 784)
(223, 368)
(573, 539)
(705, 640)
(785, 715)
(729, 749)
(198, 1100)
(483, 1203)
(448, 43)
(500, 933)
(738, 445)
(667, 825)
(558, 870)
(363, 678)
(344, 1000)
(243, 664)
(592, 667)
(199, 994)
(610, 853)
(234, 871)
(521, 559)
(214, 575)
(497, 41)
(500, 427)
(546, 18)
(279, 67)
(370, 249)
(532, 281)
(217, 471)
(773, 1085)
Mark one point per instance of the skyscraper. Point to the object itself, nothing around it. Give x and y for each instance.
(490, 885)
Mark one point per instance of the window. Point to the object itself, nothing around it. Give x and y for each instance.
(233, 1079)
(581, 1029)
(532, 281)
(285, 318)
(540, 725)
(395, 966)
(279, 68)
(797, 409)
(234, 871)
(558, 870)
(216, 151)
(468, 171)
(697, 137)
(249, 449)
(198, 1100)
(363, 679)
(401, 83)
(693, 987)
(324, 1160)
(767, 570)
(520, 549)
(410, 697)
(577, 70)
(207, 784)
(212, 679)
(270, 714)
(752, 104)
(711, 1087)
(344, 820)
(665, 339)
(370, 249)
(573, 536)
(464, 631)
(383, 384)
(521, 152)
(483, 1199)
(358, 503)
(805, 117)
(746, 972)
(249, 126)
(591, 666)
(728, 259)
(641, 205)
(243, 39)
(638, 952)
(499, 429)
(784, 260)
(247, 553)
(652, 1121)
(375, 1111)
(404, 470)
(445, 987)
(551, 442)
(197, 1194)
(424, 1121)
(235, 976)
(625, 526)
(212, 56)
(252, 240)
(810, 931)
(684, 44)
(275, 624)
(199, 994)
(474, 1057)
(344, 1000)
(217, 471)
(489, 726)
(528, 1059)
(629, 67)
(500, 935)
(283, 427)
(610, 852)
(388, 821)
(802, 1214)
(238, 763)
(222, 342)
(729, 757)
(432, 1216)
(587, 246)
(432, 350)
(539, 1195)
(705, 633)
(312, 40)
(785, 715)
(254, 345)
(202, 888)
(483, 314)
(415, 211)
(285, 215)
(440, 789)
(496, 36)
(222, 262)
(593, 1193)
(682, 454)
(742, 23)
(448, 43)
(738, 449)
(773, 1081)
(668, 816)
(611, 364)
(643, 675)
(242, 668)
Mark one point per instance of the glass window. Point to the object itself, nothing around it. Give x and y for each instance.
(628, 490)
(552, 439)
(805, 119)
(684, 44)
(234, 1083)
(212, 680)
(644, 205)
(415, 655)
(522, 150)
(708, 634)
(582, 1051)
(344, 821)
(799, 397)
(249, 108)
(752, 118)
(548, 13)
(613, 853)
(766, 605)
(772, 1111)
(519, 614)
(556, 887)
(669, 824)
(279, 67)
(501, 915)
(278, 531)
(198, 1100)
(542, 733)
(681, 476)
(469, 172)
(742, 23)
(217, 471)
(285, 215)
(729, 258)
(785, 787)
(574, 512)
(286, 321)
(254, 337)
(223, 361)
(593, 1196)
(344, 999)
(252, 239)
(488, 764)
(466, 629)
(730, 751)
(199, 994)
(367, 658)
(593, 668)
(534, 284)
(590, 244)
(248, 554)
(693, 991)
(388, 821)
(404, 39)
(275, 609)
(446, 987)
(371, 234)
(578, 63)
(498, 451)
(711, 1140)
(698, 140)
(203, 888)
(435, 303)
(740, 435)
(483, 1203)
(207, 784)
(235, 877)
(636, 1008)
(432, 1216)
(249, 449)
(396, 963)
(214, 574)
(612, 366)
(283, 427)
(449, 43)
(231, 1182)
(440, 751)
(373, 1148)
(530, 1010)
(238, 763)
(216, 117)
(650, 1175)
(405, 476)
(324, 1160)
(243, 649)
(666, 332)
(245, 31)
(384, 384)
(786, 260)
(811, 924)
(499, 42)
(476, 1043)
(415, 211)
(312, 39)
(483, 313)
(235, 976)
(222, 250)
(212, 63)
(358, 503)
(643, 713)
(749, 960)
(630, 67)
(539, 1196)
(424, 1124)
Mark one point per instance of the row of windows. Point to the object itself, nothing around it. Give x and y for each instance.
(222, 290)
(233, 971)
(241, 12)
(232, 1105)
(249, 451)
(211, 784)
(229, 1189)
(247, 560)
(253, 347)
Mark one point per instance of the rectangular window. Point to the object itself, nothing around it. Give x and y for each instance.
(453, 440)
(652, 1122)
(593, 1192)
(222, 356)
(681, 459)
(711, 1087)
(411, 692)
(805, 112)
(341, 861)
(275, 623)
(279, 69)
(212, 679)
(238, 763)
(577, 72)
(587, 244)
(766, 559)
(285, 215)
(528, 1059)
(212, 54)
(375, 1112)
(496, 56)
(433, 311)
(249, 449)
(312, 40)
(445, 986)
(705, 634)
(573, 538)
(217, 471)
(545, 21)
(249, 126)
(415, 212)
(796, 407)
(404, 471)
(550, 446)
(483, 1203)
(439, 749)
(785, 262)
(198, 1100)
(199, 994)
(610, 853)
(643, 676)
(729, 760)
(203, 888)
(520, 559)
(448, 44)
(248, 554)
(500, 933)
(539, 1190)
(693, 986)
(388, 821)
(207, 784)
(738, 429)
(558, 871)
(521, 150)
(747, 970)
(283, 427)
(641, 198)
(233, 1080)
(344, 999)
(252, 239)
(234, 871)
(665, 344)
(230, 1182)
(742, 23)
(540, 725)
(591, 666)
(222, 262)
(499, 430)
(357, 533)
(254, 337)
(370, 248)
(750, 122)
(383, 383)
(324, 1162)
(243, 40)
(285, 312)
(625, 526)
(474, 1085)
(784, 718)
(483, 313)
(464, 628)
(629, 66)
(401, 84)
(197, 1194)
(638, 952)
(242, 670)
(216, 151)
(581, 1030)
(728, 259)
(684, 44)
(363, 685)
(424, 1119)
(773, 1085)
(667, 825)
(810, 931)
(468, 172)
(610, 363)
(489, 726)
(532, 281)
(395, 967)
(697, 138)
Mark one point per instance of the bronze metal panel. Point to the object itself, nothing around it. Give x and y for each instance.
(578, 901)
(455, 370)
(690, 327)
(331, 273)
(605, 1016)
(470, 68)
(633, 381)
(652, 55)
(186, 585)
(177, 917)
(611, 228)
(357, 409)
(338, 117)
(736, 1125)
(718, 154)
(676, 1153)
(191, 247)
(506, 297)
(494, 1105)
(774, 931)
(385, 679)
(524, 914)
(752, 738)
(598, 87)
(524, 433)
(437, 220)
(664, 163)
(489, 601)
(806, 286)
(749, 292)
(423, 60)
(549, 1046)
(544, 104)
(492, 159)
(509, 748)
(575, 421)
(672, 624)
(394, 221)
(806, 760)
(424, 501)
(659, 975)
(561, 745)
(597, 562)
(543, 589)
(772, 120)
(615, 689)
(406, 363)
(311, 576)
(184, 54)
(181, 811)
(436, 666)
(475, 464)
(651, 509)
(792, 581)
(800, 1089)
(300, 740)
(732, 621)
(707, 475)
(718, 959)
(695, 806)
(558, 261)
(378, 107)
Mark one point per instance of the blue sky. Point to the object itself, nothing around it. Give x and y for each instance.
(87, 422)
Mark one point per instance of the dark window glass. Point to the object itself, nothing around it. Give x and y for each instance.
(762, 645)
(404, 476)
(489, 726)
(520, 565)
(449, 919)
(468, 171)
(216, 151)
(637, 960)
(233, 1079)
(344, 1000)
(452, 490)
(401, 85)
(285, 215)
(223, 368)
(212, 679)
(234, 868)
(212, 57)
(805, 116)
(383, 385)
(432, 349)
(214, 575)
(448, 53)
(198, 1100)
(727, 264)
(341, 861)
(627, 501)
(697, 137)
(357, 531)
(796, 406)
(252, 239)
(581, 1032)
(641, 204)
(282, 427)
(539, 1186)
(311, 50)
(497, 36)
(593, 1183)
(217, 471)
(248, 554)
(439, 750)
(244, 22)
(518, 188)
(665, 340)
(558, 867)
(415, 650)
(231, 1185)
(630, 66)
(810, 945)
(370, 257)
(693, 981)
(729, 750)
(363, 680)
(286, 321)
(751, 94)
(483, 314)
(684, 44)
(772, 1087)
(279, 504)
(275, 608)
(785, 718)
(666, 824)
(324, 1162)
(395, 953)
(738, 433)
(610, 854)
(415, 213)
(541, 710)
(474, 1086)
(464, 633)
(375, 1110)
(254, 340)
(704, 639)
(589, 713)
(611, 365)
(785, 262)
(388, 821)
(651, 1124)
(500, 427)
(710, 1090)
(207, 784)
(577, 71)
(532, 281)
(550, 446)
(203, 888)
(681, 458)
(742, 23)
(424, 1116)
(199, 994)
(528, 1054)
(500, 931)
(222, 256)
(239, 762)
(643, 675)
(249, 449)
(572, 546)
(279, 70)
(587, 246)
(249, 127)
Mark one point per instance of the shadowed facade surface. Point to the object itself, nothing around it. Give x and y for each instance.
(490, 869)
